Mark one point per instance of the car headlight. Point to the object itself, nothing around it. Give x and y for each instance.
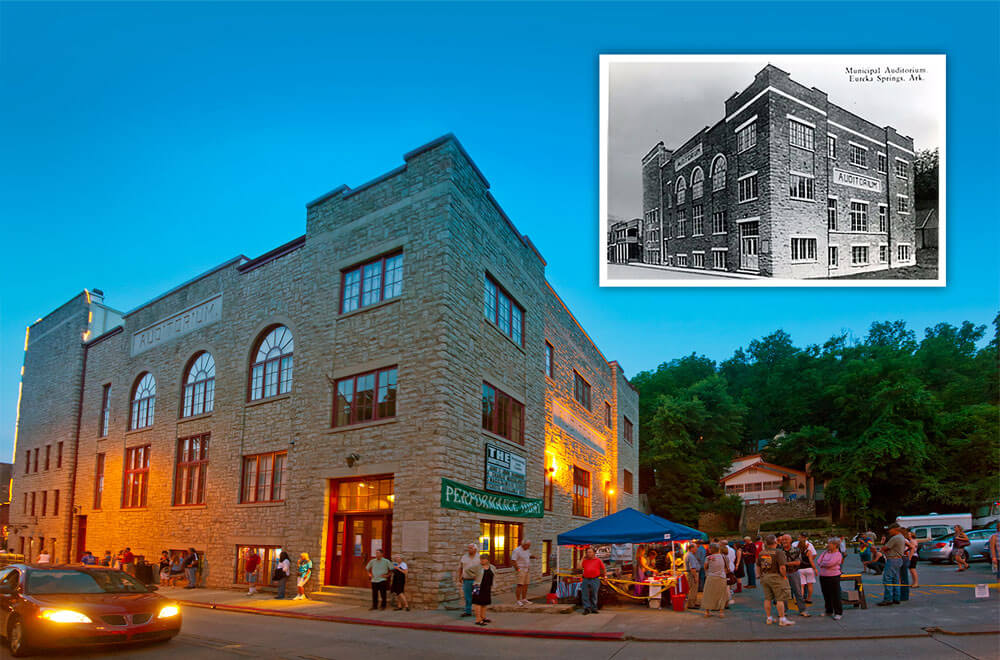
(64, 616)
(168, 611)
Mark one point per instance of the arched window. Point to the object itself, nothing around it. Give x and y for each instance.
(271, 372)
(697, 183)
(719, 172)
(681, 189)
(199, 385)
(143, 402)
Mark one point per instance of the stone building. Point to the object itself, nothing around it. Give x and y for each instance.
(787, 184)
(401, 376)
(626, 242)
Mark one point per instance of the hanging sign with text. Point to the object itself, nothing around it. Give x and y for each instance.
(465, 498)
(505, 471)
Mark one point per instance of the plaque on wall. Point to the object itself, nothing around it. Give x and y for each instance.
(505, 471)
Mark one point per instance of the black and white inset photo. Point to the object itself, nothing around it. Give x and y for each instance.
(783, 170)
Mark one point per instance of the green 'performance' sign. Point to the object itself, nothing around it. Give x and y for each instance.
(459, 496)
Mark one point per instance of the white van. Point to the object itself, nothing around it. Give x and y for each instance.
(934, 525)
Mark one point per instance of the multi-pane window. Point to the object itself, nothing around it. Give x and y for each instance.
(192, 464)
(549, 366)
(271, 371)
(746, 137)
(607, 414)
(831, 146)
(883, 218)
(136, 477)
(682, 260)
(697, 221)
(627, 483)
(697, 183)
(547, 489)
(902, 169)
(199, 386)
(581, 390)
(883, 254)
(719, 173)
(98, 481)
(859, 254)
(102, 430)
(719, 222)
(366, 397)
(903, 252)
(803, 249)
(748, 188)
(859, 155)
(859, 216)
(627, 430)
(263, 477)
(681, 190)
(833, 256)
(581, 492)
(801, 187)
(800, 135)
(883, 163)
(698, 259)
(502, 311)
(719, 259)
(498, 539)
(681, 226)
(902, 203)
(371, 282)
(502, 414)
(143, 402)
(59, 454)
(268, 561)
(366, 495)
(831, 213)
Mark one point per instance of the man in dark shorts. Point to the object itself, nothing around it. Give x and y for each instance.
(771, 562)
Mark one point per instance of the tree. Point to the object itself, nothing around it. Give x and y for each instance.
(925, 178)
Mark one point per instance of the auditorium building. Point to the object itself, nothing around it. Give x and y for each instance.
(785, 185)
(402, 376)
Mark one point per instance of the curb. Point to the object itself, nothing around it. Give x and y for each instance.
(546, 634)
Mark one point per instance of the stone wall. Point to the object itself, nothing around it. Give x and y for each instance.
(755, 514)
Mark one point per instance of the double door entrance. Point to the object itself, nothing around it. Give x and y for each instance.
(749, 245)
(360, 523)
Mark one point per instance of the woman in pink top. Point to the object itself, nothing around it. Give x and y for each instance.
(828, 563)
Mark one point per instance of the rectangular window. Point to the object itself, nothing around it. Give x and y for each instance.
(268, 562)
(581, 492)
(371, 282)
(902, 169)
(55, 503)
(681, 229)
(27, 461)
(831, 213)
(883, 163)
(698, 259)
(697, 221)
(59, 453)
(800, 135)
(135, 477)
(719, 259)
(36, 459)
(719, 222)
(581, 390)
(33, 500)
(834, 257)
(883, 218)
(502, 414)
(608, 498)
(498, 539)
(547, 489)
(607, 414)
(98, 481)
(627, 483)
(831, 146)
(192, 464)
(859, 155)
(547, 557)
(627, 430)
(682, 260)
(859, 255)
(45, 502)
(503, 311)
(549, 370)
(366, 495)
(748, 188)
(746, 137)
(801, 187)
(883, 254)
(365, 397)
(902, 203)
(263, 477)
(102, 430)
(859, 216)
(803, 249)
(903, 252)
(48, 456)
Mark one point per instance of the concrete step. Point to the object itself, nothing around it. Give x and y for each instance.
(344, 595)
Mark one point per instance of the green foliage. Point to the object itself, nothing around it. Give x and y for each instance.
(889, 424)
(794, 525)
(925, 177)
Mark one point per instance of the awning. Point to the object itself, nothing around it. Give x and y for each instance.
(629, 526)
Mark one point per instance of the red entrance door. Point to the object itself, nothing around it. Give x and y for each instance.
(366, 534)
(360, 524)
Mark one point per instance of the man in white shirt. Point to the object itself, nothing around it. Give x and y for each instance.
(730, 556)
(521, 558)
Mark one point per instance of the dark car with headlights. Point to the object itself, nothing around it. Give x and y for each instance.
(53, 607)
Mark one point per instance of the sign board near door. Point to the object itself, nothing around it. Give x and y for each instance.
(505, 471)
(465, 498)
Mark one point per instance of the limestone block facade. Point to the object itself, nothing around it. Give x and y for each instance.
(380, 374)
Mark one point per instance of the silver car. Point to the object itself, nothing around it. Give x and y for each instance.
(939, 549)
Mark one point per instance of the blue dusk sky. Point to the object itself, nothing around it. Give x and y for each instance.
(142, 144)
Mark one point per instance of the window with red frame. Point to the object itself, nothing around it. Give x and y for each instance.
(502, 311)
(498, 539)
(607, 414)
(98, 481)
(264, 477)
(371, 282)
(365, 397)
(628, 431)
(55, 503)
(502, 414)
(581, 492)
(48, 456)
(271, 371)
(136, 477)
(192, 464)
(33, 499)
(36, 460)
(627, 486)
(45, 502)
(581, 390)
(59, 452)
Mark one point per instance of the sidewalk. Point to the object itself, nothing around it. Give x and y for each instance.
(938, 610)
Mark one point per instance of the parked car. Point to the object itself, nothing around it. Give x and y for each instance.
(52, 607)
(939, 549)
